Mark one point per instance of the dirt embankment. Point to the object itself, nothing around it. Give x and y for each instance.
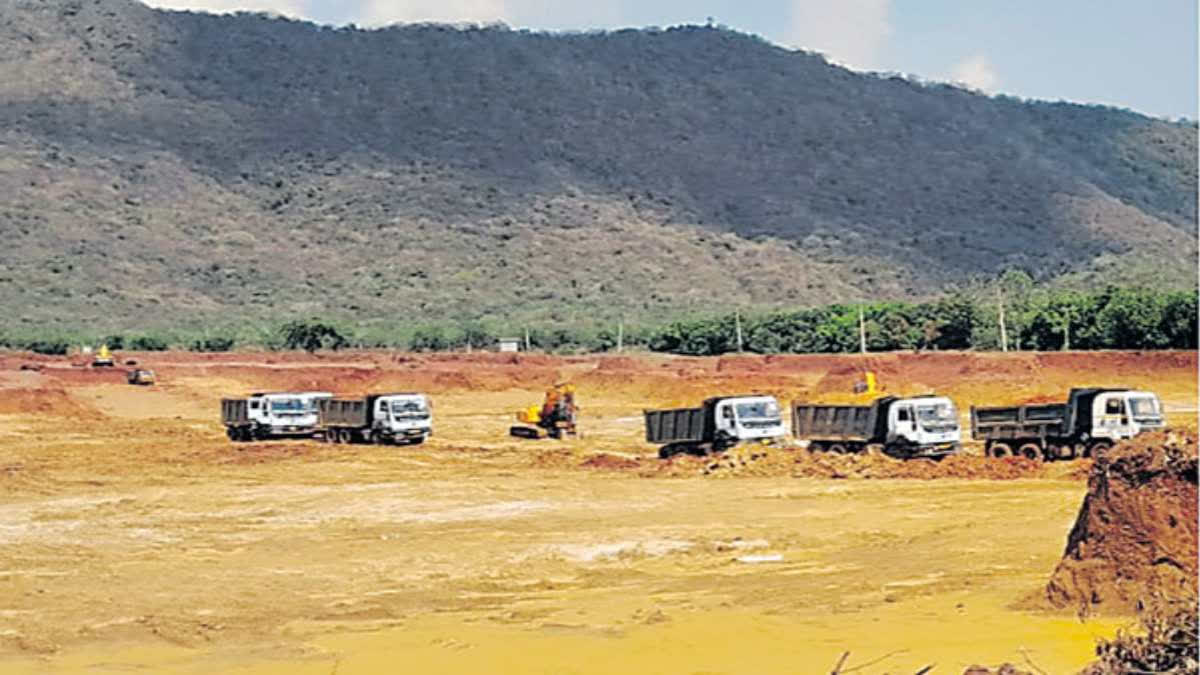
(1134, 543)
(766, 461)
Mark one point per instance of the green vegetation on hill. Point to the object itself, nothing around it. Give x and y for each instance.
(189, 175)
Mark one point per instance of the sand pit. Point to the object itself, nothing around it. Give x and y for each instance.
(1134, 543)
(136, 536)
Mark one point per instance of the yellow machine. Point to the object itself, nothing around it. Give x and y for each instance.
(554, 418)
(868, 387)
(141, 376)
(103, 359)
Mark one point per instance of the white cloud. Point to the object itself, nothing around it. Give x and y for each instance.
(384, 12)
(292, 8)
(849, 32)
(975, 72)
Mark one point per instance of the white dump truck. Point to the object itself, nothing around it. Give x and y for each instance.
(268, 415)
(1090, 421)
(920, 426)
(718, 424)
(378, 418)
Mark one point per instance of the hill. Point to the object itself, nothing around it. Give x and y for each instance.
(172, 168)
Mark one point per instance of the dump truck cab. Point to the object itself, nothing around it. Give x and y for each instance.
(924, 422)
(720, 423)
(404, 416)
(746, 418)
(282, 414)
(1124, 413)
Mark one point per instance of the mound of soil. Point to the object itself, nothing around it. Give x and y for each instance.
(606, 461)
(1134, 541)
(50, 401)
(751, 460)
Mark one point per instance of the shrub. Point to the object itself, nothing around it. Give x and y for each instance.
(213, 344)
(311, 335)
(146, 343)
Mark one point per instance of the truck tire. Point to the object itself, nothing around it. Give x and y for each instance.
(816, 446)
(838, 448)
(1030, 451)
(369, 437)
(1000, 450)
(345, 436)
(232, 433)
(418, 440)
(1097, 448)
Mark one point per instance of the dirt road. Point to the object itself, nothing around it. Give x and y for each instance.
(133, 536)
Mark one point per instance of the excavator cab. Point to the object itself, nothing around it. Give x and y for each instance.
(555, 418)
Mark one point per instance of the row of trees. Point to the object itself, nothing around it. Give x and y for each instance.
(1041, 320)
(1033, 319)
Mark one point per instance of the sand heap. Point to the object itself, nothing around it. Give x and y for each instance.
(1134, 542)
(765, 461)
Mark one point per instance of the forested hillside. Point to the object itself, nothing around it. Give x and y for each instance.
(170, 171)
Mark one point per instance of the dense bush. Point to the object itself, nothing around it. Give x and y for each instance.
(51, 347)
(212, 344)
(311, 335)
(146, 343)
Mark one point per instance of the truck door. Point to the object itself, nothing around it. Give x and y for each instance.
(382, 418)
(256, 410)
(905, 429)
(1111, 418)
(726, 419)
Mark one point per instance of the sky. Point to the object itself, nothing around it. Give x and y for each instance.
(1124, 53)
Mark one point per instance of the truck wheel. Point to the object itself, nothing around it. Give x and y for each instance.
(1000, 450)
(418, 440)
(816, 446)
(232, 433)
(369, 437)
(1030, 451)
(837, 448)
(344, 436)
(1097, 448)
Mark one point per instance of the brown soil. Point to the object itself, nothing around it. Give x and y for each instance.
(134, 535)
(1134, 543)
(766, 461)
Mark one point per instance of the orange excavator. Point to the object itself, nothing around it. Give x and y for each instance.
(555, 418)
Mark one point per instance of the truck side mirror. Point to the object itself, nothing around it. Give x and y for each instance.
(727, 413)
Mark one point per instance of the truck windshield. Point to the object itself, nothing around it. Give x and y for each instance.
(942, 412)
(1144, 406)
(409, 409)
(288, 405)
(758, 410)
(938, 418)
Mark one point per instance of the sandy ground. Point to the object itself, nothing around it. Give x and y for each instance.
(133, 536)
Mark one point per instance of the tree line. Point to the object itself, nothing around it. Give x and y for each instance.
(1033, 319)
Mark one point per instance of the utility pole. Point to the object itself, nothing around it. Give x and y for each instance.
(1067, 330)
(1003, 333)
(526, 339)
(737, 322)
(620, 336)
(862, 331)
